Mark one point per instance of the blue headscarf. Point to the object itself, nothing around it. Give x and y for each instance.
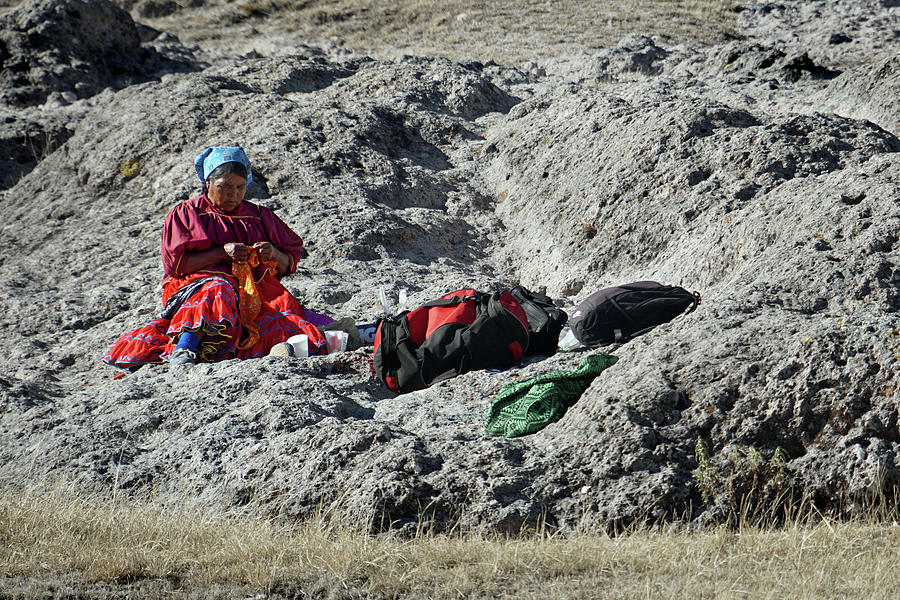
(212, 158)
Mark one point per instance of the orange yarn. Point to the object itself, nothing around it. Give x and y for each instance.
(249, 299)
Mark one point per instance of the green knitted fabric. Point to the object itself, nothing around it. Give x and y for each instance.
(527, 406)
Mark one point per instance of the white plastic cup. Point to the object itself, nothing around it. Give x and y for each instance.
(569, 341)
(336, 340)
(300, 344)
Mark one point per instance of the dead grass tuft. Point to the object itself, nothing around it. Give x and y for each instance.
(93, 542)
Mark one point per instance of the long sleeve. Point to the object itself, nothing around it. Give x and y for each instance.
(283, 237)
(183, 231)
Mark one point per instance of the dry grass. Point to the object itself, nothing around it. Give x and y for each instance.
(507, 31)
(97, 546)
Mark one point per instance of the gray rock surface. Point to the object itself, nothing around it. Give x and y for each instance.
(56, 56)
(866, 93)
(761, 172)
(842, 33)
(75, 47)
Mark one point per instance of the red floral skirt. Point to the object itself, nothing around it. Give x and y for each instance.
(214, 313)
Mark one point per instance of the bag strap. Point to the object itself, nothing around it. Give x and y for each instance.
(388, 342)
(451, 301)
(619, 308)
(695, 301)
(537, 316)
(694, 304)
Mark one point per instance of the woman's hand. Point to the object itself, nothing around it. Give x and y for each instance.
(266, 251)
(239, 253)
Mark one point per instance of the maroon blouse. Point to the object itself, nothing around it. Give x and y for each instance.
(197, 224)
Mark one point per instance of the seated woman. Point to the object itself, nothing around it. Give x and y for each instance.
(223, 258)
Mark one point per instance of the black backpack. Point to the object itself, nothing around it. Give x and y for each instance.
(545, 321)
(460, 332)
(621, 313)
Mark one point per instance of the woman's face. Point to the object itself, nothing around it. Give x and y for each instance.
(227, 192)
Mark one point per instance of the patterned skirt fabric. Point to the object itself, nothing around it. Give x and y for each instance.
(213, 312)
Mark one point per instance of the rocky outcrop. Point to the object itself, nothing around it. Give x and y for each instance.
(58, 55)
(73, 48)
(867, 93)
(770, 191)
